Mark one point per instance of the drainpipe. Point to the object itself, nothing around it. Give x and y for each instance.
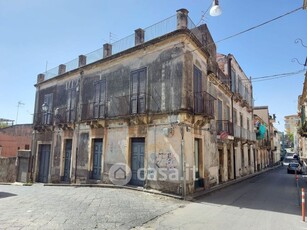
(233, 125)
(78, 120)
(182, 165)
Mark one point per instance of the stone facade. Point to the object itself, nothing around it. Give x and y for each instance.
(15, 137)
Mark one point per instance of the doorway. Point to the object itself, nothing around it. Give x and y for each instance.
(97, 156)
(44, 157)
(67, 160)
(137, 161)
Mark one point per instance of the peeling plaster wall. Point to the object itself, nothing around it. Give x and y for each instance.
(169, 94)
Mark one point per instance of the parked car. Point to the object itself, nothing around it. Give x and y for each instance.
(294, 167)
(286, 161)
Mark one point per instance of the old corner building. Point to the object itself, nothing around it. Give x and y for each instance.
(164, 104)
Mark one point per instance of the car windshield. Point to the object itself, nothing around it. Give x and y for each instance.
(287, 160)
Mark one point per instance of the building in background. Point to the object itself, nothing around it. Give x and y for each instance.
(264, 130)
(14, 138)
(240, 108)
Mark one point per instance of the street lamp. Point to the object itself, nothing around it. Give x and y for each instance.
(215, 9)
(45, 107)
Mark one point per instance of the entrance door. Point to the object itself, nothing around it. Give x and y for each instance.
(197, 160)
(97, 159)
(229, 166)
(137, 161)
(221, 165)
(44, 156)
(68, 147)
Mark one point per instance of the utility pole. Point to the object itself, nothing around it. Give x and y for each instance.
(18, 105)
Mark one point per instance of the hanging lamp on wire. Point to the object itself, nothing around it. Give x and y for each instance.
(215, 9)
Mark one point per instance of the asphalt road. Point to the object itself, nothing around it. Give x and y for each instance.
(268, 201)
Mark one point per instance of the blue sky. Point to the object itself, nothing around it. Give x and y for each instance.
(36, 34)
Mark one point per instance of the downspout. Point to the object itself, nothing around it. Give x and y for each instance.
(78, 121)
(182, 165)
(33, 143)
(233, 125)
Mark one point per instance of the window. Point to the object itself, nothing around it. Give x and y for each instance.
(100, 99)
(240, 87)
(220, 115)
(234, 81)
(227, 113)
(138, 91)
(47, 114)
(198, 94)
(71, 105)
(241, 120)
(235, 118)
(248, 124)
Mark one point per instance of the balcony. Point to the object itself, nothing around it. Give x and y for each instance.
(214, 68)
(224, 126)
(244, 134)
(115, 106)
(43, 119)
(204, 104)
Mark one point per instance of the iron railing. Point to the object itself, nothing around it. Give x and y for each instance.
(245, 134)
(42, 119)
(224, 125)
(204, 104)
(161, 28)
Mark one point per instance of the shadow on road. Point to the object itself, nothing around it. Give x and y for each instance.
(6, 194)
(274, 191)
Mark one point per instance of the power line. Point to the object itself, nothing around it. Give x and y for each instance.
(276, 76)
(257, 26)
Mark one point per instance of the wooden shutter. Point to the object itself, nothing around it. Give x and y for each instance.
(142, 92)
(198, 95)
(96, 100)
(73, 105)
(102, 99)
(134, 93)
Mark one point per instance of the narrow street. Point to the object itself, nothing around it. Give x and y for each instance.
(268, 201)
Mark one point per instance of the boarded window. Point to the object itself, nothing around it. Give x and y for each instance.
(198, 94)
(100, 99)
(48, 103)
(71, 105)
(138, 91)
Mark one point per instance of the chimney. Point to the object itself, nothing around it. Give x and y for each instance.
(40, 78)
(139, 36)
(182, 19)
(107, 50)
(82, 60)
(62, 69)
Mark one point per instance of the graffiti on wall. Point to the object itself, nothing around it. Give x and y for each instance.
(166, 160)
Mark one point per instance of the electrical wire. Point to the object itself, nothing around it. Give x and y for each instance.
(257, 26)
(276, 76)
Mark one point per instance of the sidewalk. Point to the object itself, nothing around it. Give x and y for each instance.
(198, 194)
(189, 197)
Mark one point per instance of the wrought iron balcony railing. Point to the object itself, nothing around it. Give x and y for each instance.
(204, 104)
(224, 125)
